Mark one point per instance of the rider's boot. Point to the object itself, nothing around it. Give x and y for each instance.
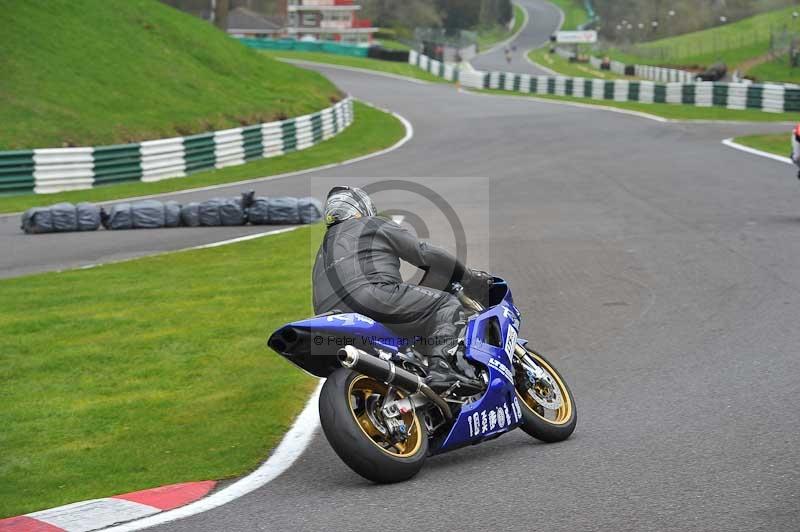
(444, 374)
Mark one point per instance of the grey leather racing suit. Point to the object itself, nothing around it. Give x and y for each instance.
(357, 269)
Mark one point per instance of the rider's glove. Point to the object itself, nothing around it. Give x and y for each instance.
(477, 284)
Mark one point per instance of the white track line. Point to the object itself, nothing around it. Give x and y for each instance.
(537, 65)
(736, 146)
(640, 114)
(558, 28)
(201, 246)
(290, 448)
(571, 104)
(357, 69)
(560, 25)
(399, 144)
(240, 239)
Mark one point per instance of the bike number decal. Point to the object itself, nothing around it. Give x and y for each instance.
(489, 420)
(499, 417)
(511, 344)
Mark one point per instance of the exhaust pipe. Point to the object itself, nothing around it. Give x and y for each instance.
(353, 358)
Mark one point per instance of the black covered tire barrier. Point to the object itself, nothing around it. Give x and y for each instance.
(385, 54)
(154, 214)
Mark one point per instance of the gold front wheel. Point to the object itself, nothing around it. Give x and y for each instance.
(548, 408)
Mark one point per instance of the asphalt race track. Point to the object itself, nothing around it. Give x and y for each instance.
(543, 20)
(656, 267)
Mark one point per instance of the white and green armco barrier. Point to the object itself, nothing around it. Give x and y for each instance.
(447, 71)
(768, 98)
(640, 71)
(58, 169)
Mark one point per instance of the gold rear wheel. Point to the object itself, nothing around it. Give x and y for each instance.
(382, 448)
(366, 398)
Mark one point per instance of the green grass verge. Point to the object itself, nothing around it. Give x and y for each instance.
(563, 66)
(488, 37)
(390, 44)
(779, 69)
(114, 71)
(372, 130)
(574, 13)
(390, 67)
(731, 43)
(149, 372)
(669, 111)
(778, 144)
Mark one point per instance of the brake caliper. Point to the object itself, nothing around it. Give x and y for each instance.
(395, 426)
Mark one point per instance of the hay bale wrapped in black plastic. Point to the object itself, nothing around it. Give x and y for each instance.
(61, 218)
(284, 211)
(221, 211)
(190, 214)
(145, 214)
(310, 210)
(258, 212)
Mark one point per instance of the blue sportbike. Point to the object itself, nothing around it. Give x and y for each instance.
(381, 417)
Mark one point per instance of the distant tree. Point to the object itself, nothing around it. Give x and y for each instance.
(689, 15)
(221, 10)
(451, 14)
(408, 14)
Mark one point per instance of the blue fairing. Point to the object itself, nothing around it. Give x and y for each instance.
(357, 329)
(490, 340)
(313, 343)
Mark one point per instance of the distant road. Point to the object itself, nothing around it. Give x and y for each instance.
(544, 19)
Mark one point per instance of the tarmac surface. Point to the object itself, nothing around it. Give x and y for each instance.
(654, 266)
(544, 19)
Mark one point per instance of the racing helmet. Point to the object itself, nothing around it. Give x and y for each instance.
(797, 132)
(344, 203)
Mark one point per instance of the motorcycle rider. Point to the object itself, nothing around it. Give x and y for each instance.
(796, 148)
(357, 269)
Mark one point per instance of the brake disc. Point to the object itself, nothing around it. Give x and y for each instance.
(544, 389)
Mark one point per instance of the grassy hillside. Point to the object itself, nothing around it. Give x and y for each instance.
(777, 69)
(113, 71)
(733, 43)
(574, 13)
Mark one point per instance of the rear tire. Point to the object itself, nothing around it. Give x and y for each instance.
(340, 411)
(561, 421)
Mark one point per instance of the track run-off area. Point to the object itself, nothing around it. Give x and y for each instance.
(655, 266)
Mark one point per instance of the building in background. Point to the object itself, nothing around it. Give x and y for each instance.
(452, 46)
(333, 20)
(244, 22)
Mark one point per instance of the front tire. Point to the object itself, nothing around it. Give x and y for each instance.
(548, 408)
(351, 423)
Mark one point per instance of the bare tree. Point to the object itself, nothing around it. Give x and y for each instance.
(221, 8)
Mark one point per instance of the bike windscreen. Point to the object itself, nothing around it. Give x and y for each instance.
(498, 292)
